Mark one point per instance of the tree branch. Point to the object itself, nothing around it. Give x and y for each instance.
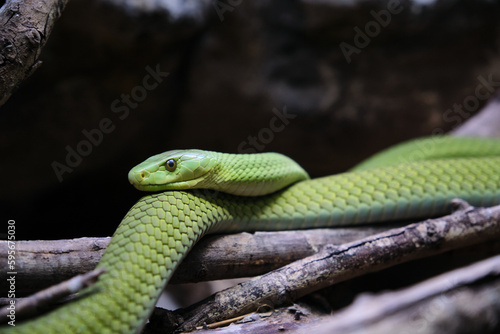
(214, 257)
(335, 264)
(486, 123)
(464, 300)
(456, 297)
(25, 26)
(32, 305)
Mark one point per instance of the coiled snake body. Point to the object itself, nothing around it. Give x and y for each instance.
(413, 180)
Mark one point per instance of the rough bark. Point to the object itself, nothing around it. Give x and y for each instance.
(465, 300)
(25, 26)
(34, 304)
(42, 263)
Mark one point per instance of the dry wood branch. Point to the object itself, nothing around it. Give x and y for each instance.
(252, 254)
(485, 123)
(447, 295)
(465, 300)
(43, 262)
(33, 304)
(281, 320)
(25, 26)
(336, 264)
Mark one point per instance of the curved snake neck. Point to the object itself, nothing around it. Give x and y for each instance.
(236, 174)
(161, 228)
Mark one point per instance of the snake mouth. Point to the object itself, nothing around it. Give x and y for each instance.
(149, 187)
(178, 185)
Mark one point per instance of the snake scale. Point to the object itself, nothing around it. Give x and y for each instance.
(413, 180)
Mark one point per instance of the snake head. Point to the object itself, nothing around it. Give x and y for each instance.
(172, 170)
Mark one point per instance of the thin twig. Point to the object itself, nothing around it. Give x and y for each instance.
(31, 305)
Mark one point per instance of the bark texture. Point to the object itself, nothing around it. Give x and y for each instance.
(44, 262)
(25, 26)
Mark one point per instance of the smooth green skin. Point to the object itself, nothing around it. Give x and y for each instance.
(236, 174)
(161, 228)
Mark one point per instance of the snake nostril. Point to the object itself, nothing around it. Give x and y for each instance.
(143, 176)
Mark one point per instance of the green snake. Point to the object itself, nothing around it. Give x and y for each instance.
(269, 192)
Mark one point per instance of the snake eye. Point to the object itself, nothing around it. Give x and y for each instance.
(170, 165)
